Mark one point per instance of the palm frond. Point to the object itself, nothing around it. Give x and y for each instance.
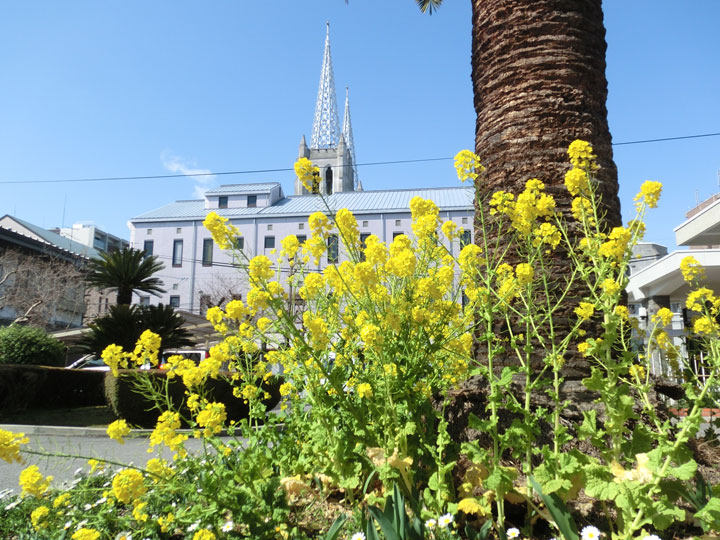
(428, 6)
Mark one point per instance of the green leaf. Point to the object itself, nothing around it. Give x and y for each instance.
(666, 514)
(370, 531)
(558, 511)
(596, 381)
(507, 375)
(386, 524)
(334, 531)
(600, 483)
(709, 516)
(588, 428)
(686, 471)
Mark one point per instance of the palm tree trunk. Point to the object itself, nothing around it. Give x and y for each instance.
(124, 296)
(538, 72)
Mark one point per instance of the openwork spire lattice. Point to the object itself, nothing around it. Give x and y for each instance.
(326, 127)
(348, 136)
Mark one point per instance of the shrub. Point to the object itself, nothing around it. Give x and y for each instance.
(129, 401)
(30, 345)
(30, 387)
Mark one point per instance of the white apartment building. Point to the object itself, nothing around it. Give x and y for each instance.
(198, 274)
(91, 235)
(657, 281)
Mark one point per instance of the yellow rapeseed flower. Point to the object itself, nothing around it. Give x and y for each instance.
(128, 485)
(467, 165)
(364, 390)
(664, 316)
(585, 310)
(649, 194)
(524, 273)
(576, 181)
(38, 517)
(691, 269)
(84, 533)
(33, 483)
(118, 430)
(308, 174)
(10, 445)
(581, 155)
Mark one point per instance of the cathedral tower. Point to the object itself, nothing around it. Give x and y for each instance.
(331, 147)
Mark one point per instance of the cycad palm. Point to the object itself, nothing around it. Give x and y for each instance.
(126, 271)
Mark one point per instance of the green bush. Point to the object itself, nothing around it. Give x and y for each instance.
(40, 387)
(129, 403)
(30, 346)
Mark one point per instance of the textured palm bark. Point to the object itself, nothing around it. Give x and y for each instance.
(538, 71)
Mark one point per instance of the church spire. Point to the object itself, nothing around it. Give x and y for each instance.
(348, 136)
(326, 127)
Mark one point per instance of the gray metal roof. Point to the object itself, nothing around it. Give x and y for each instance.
(56, 240)
(395, 200)
(243, 188)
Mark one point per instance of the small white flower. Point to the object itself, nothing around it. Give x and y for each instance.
(431, 523)
(590, 533)
(229, 526)
(87, 507)
(78, 471)
(124, 536)
(101, 500)
(651, 537)
(512, 532)
(13, 505)
(67, 525)
(192, 527)
(445, 520)
(358, 536)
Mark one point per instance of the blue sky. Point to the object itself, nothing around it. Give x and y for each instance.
(125, 88)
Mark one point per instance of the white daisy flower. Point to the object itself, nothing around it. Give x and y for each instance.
(512, 532)
(358, 536)
(229, 526)
(445, 520)
(590, 533)
(431, 523)
(193, 527)
(651, 537)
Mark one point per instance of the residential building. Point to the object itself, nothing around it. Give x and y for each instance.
(198, 274)
(97, 301)
(40, 276)
(91, 235)
(656, 280)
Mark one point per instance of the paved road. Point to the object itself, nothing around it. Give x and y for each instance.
(88, 442)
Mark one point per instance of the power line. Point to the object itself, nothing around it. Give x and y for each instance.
(668, 139)
(286, 169)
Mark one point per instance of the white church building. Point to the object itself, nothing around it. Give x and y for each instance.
(198, 274)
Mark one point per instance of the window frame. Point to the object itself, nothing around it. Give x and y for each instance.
(177, 246)
(207, 254)
(222, 201)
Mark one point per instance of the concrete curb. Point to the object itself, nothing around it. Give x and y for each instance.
(63, 431)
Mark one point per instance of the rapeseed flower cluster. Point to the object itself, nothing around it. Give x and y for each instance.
(118, 430)
(224, 233)
(128, 485)
(308, 174)
(10, 445)
(33, 482)
(467, 165)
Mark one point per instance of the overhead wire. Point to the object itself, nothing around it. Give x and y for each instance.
(287, 169)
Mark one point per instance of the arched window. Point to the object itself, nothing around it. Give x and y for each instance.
(328, 180)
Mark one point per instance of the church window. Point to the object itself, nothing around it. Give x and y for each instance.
(328, 180)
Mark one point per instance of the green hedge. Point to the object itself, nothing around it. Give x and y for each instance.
(140, 411)
(30, 345)
(39, 387)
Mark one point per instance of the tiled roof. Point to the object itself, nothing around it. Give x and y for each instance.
(243, 188)
(55, 239)
(395, 200)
